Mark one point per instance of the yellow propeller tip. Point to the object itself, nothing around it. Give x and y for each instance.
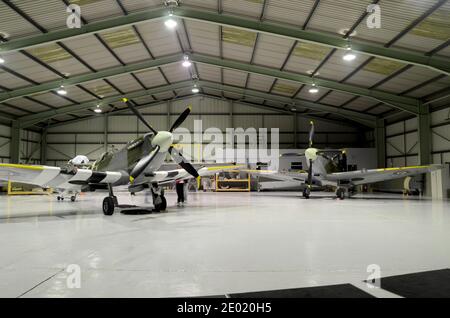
(124, 100)
(190, 107)
(311, 122)
(131, 179)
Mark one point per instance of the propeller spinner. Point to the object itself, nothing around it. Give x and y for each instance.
(162, 142)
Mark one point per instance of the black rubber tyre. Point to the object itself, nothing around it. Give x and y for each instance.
(58, 198)
(306, 193)
(162, 206)
(108, 206)
(73, 198)
(340, 194)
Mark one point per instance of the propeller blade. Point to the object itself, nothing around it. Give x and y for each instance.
(181, 119)
(292, 154)
(142, 164)
(311, 134)
(138, 115)
(186, 165)
(310, 172)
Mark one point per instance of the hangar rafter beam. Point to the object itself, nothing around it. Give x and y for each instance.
(365, 119)
(404, 103)
(438, 64)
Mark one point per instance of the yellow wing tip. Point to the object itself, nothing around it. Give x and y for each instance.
(19, 166)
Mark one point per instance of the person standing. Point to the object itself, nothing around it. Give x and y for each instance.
(179, 185)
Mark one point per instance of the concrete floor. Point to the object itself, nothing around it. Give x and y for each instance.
(217, 244)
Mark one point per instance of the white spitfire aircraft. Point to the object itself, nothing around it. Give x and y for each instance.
(137, 166)
(329, 167)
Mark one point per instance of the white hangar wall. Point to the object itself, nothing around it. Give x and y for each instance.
(402, 145)
(30, 151)
(92, 137)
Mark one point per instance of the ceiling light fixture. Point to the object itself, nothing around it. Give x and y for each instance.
(195, 89)
(314, 89)
(171, 23)
(98, 110)
(349, 56)
(62, 90)
(186, 62)
(2, 61)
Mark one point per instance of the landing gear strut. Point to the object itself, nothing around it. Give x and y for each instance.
(306, 192)
(159, 200)
(110, 202)
(340, 193)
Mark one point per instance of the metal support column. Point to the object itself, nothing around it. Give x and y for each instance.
(105, 132)
(44, 147)
(15, 142)
(380, 141)
(295, 131)
(424, 123)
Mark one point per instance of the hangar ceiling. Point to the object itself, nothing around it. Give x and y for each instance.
(265, 53)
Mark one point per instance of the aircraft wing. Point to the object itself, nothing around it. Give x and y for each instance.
(164, 177)
(377, 175)
(281, 176)
(55, 177)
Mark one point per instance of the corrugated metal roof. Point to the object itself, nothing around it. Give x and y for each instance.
(270, 51)
(209, 73)
(250, 8)
(289, 11)
(204, 37)
(235, 78)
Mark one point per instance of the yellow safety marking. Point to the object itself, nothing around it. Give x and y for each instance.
(403, 168)
(18, 166)
(222, 167)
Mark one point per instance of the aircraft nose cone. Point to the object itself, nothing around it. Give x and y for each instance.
(163, 139)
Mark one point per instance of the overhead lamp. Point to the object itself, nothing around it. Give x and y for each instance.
(314, 89)
(98, 110)
(2, 61)
(171, 23)
(62, 90)
(349, 56)
(186, 62)
(195, 89)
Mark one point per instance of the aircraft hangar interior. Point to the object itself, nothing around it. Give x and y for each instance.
(226, 148)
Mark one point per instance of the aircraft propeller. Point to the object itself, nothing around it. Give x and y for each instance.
(162, 141)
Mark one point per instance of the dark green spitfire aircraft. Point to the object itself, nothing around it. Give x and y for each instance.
(137, 166)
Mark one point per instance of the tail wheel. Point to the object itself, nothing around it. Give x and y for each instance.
(73, 198)
(108, 206)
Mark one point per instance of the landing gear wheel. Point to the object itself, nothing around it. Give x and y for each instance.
(340, 194)
(161, 206)
(73, 198)
(306, 193)
(108, 206)
(58, 198)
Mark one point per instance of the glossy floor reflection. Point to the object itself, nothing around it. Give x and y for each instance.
(217, 244)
